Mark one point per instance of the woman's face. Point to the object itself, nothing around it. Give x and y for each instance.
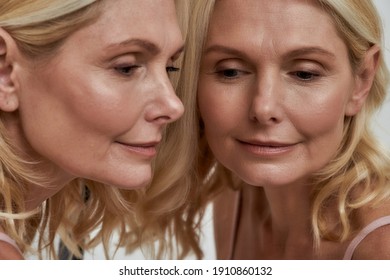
(98, 109)
(275, 86)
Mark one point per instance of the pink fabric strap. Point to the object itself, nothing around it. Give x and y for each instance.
(361, 235)
(4, 237)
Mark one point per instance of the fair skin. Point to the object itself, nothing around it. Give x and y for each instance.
(281, 101)
(98, 108)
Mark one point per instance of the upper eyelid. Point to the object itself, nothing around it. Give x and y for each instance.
(139, 58)
(243, 66)
(310, 71)
(309, 65)
(123, 63)
(172, 68)
(314, 77)
(230, 68)
(177, 54)
(222, 69)
(131, 69)
(314, 73)
(221, 75)
(306, 65)
(230, 64)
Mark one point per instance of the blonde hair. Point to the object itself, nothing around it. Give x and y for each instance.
(361, 160)
(84, 213)
(181, 228)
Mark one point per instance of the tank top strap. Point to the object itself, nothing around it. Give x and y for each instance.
(363, 233)
(4, 237)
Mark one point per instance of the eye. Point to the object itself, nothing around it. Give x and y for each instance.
(126, 70)
(172, 69)
(305, 75)
(229, 73)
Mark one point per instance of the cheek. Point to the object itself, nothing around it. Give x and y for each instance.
(213, 116)
(94, 106)
(321, 109)
(321, 126)
(107, 112)
(221, 108)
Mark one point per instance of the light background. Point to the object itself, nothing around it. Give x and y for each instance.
(382, 128)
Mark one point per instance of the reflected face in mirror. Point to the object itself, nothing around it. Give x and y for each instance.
(98, 108)
(275, 87)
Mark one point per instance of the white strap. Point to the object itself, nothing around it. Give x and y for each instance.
(4, 237)
(361, 235)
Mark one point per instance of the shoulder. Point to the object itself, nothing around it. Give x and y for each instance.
(9, 252)
(376, 245)
(8, 248)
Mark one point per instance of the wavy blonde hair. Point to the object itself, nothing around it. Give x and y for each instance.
(360, 161)
(182, 226)
(85, 213)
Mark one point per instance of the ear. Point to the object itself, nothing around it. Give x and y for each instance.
(8, 98)
(363, 81)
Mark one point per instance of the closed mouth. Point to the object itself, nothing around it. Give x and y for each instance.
(266, 144)
(148, 149)
(266, 148)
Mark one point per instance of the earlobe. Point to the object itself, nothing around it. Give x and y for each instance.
(364, 80)
(8, 98)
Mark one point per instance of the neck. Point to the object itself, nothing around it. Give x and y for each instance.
(36, 194)
(289, 206)
(48, 178)
(277, 220)
(288, 219)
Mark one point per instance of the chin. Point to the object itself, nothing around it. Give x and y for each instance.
(132, 184)
(262, 181)
(122, 176)
(127, 180)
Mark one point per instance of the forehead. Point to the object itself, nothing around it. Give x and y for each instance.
(272, 23)
(266, 10)
(122, 20)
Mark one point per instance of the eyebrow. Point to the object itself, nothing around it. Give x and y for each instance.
(310, 50)
(223, 49)
(147, 45)
(293, 53)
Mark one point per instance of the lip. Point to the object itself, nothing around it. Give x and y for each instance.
(266, 148)
(147, 149)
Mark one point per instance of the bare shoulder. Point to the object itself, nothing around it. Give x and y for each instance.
(9, 252)
(375, 246)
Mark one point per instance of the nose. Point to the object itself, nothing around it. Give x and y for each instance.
(167, 107)
(265, 105)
